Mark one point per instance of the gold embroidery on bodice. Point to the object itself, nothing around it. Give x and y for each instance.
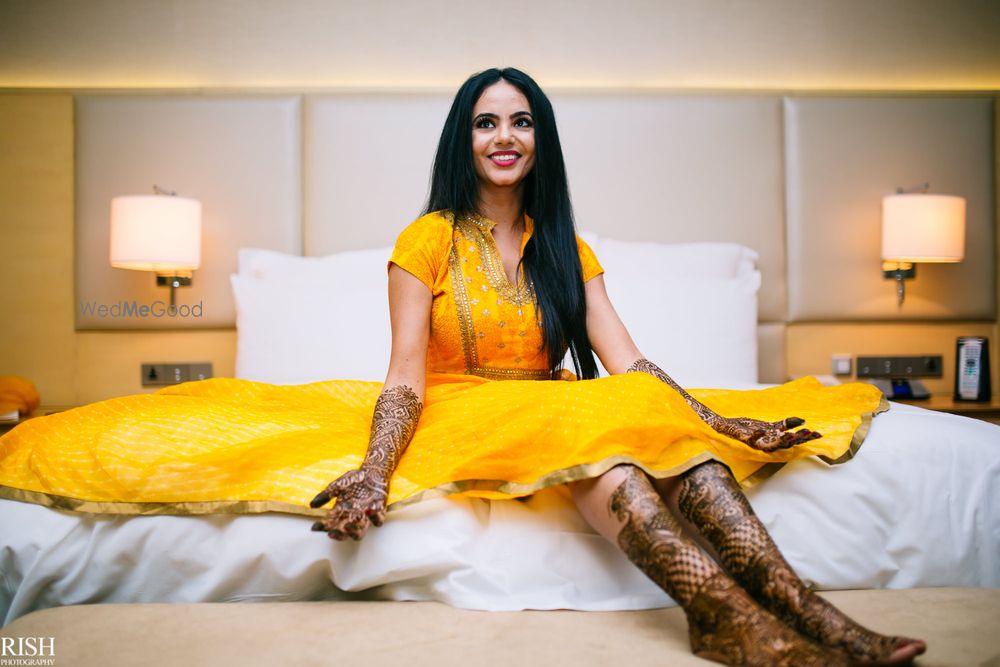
(500, 332)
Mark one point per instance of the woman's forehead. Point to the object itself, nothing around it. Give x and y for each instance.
(501, 96)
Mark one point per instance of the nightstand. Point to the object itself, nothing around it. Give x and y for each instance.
(40, 411)
(989, 412)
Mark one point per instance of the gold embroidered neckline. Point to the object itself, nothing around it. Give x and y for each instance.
(519, 294)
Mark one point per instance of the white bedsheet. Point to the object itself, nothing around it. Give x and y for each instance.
(918, 506)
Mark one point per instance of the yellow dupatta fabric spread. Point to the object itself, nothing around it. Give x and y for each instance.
(236, 446)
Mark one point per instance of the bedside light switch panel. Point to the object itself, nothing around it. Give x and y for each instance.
(842, 364)
(900, 367)
(162, 375)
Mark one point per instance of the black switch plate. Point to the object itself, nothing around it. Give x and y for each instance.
(925, 366)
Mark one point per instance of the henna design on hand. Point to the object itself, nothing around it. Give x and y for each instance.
(361, 494)
(765, 436)
(724, 623)
(712, 500)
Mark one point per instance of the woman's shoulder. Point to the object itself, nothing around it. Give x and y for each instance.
(422, 247)
(435, 226)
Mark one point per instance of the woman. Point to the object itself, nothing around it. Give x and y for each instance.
(497, 253)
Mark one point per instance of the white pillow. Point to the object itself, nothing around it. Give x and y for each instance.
(303, 319)
(702, 332)
(691, 309)
(658, 261)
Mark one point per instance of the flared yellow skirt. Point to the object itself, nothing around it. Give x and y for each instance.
(235, 446)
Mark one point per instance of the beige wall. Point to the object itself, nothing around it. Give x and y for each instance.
(678, 44)
(855, 44)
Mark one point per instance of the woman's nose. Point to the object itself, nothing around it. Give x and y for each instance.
(504, 135)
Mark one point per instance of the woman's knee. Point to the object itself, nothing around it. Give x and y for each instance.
(593, 498)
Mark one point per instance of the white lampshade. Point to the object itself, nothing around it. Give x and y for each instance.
(923, 228)
(155, 233)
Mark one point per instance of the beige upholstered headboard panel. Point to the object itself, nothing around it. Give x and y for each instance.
(844, 154)
(367, 166)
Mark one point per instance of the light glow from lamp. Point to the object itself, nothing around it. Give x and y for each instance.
(155, 233)
(920, 228)
(923, 228)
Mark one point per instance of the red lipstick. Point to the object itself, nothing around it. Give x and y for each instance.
(505, 158)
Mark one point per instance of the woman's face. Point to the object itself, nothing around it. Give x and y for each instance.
(503, 136)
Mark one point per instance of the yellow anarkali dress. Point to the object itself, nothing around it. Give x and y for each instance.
(493, 425)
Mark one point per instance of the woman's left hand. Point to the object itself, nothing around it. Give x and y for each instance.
(765, 436)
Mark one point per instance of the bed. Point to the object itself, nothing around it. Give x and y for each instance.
(916, 507)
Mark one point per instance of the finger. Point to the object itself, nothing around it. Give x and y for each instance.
(791, 422)
(318, 527)
(377, 517)
(810, 435)
(348, 523)
(331, 491)
(359, 531)
(798, 437)
(356, 529)
(322, 498)
(326, 495)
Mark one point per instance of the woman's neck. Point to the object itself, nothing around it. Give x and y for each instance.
(504, 206)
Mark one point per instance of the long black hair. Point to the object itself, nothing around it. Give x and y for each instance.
(551, 259)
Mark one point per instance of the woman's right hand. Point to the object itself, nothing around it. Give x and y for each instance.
(361, 501)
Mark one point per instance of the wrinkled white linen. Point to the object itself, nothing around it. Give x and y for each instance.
(916, 507)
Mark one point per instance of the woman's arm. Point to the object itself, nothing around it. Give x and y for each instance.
(361, 494)
(619, 354)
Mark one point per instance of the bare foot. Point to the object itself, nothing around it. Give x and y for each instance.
(823, 622)
(727, 626)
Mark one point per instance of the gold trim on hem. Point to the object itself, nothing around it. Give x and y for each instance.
(860, 434)
(180, 508)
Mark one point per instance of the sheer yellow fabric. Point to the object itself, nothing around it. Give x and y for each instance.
(227, 445)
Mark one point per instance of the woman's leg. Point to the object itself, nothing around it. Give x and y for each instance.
(713, 502)
(724, 622)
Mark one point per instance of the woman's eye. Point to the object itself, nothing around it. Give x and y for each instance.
(484, 123)
(523, 122)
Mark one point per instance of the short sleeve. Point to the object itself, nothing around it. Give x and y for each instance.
(422, 248)
(588, 260)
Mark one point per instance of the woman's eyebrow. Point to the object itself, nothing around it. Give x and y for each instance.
(493, 116)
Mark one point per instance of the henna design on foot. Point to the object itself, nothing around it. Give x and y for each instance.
(765, 436)
(361, 494)
(724, 623)
(713, 502)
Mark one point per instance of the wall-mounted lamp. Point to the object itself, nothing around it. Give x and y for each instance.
(920, 228)
(161, 233)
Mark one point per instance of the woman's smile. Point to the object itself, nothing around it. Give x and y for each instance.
(505, 158)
